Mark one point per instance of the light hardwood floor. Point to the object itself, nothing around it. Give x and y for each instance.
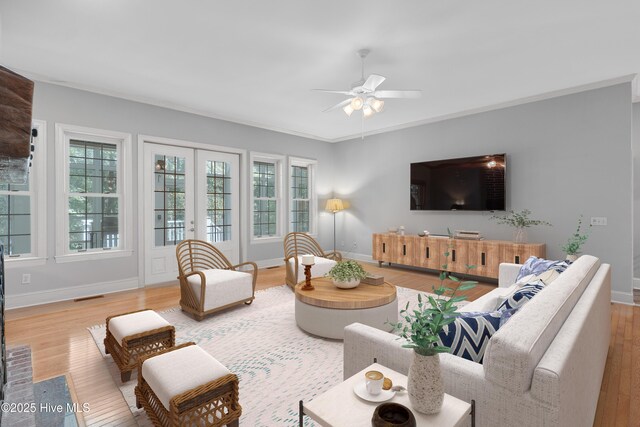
(61, 345)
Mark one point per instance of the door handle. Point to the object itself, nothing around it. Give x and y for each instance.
(192, 229)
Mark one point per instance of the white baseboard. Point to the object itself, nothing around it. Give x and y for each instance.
(358, 257)
(72, 292)
(622, 297)
(273, 262)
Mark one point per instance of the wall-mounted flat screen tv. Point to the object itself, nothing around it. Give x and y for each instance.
(466, 184)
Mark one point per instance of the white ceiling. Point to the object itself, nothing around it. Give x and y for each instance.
(256, 62)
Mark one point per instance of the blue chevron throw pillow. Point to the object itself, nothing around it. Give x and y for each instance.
(469, 335)
(521, 296)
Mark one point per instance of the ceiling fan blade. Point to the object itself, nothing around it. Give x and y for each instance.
(398, 94)
(338, 105)
(342, 92)
(373, 81)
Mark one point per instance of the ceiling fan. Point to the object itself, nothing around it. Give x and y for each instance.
(364, 94)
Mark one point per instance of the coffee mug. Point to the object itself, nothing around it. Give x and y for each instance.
(374, 381)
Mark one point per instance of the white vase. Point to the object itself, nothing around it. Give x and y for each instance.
(572, 257)
(520, 235)
(424, 384)
(352, 283)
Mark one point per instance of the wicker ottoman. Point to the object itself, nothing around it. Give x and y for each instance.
(186, 386)
(131, 335)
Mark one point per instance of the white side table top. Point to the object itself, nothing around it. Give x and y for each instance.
(340, 407)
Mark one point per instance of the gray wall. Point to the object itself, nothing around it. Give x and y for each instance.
(567, 156)
(57, 104)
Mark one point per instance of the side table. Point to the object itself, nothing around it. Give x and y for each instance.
(340, 407)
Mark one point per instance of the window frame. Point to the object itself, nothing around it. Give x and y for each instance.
(278, 161)
(64, 134)
(38, 203)
(311, 165)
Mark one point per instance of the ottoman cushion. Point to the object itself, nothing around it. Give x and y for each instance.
(135, 323)
(223, 287)
(180, 370)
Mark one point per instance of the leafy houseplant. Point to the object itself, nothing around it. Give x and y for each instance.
(420, 331)
(575, 241)
(347, 274)
(519, 221)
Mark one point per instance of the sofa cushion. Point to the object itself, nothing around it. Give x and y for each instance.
(516, 348)
(535, 266)
(222, 287)
(469, 335)
(521, 296)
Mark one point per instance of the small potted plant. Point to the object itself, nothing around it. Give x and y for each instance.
(420, 329)
(347, 274)
(575, 242)
(520, 221)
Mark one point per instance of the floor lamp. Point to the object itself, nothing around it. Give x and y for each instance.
(334, 205)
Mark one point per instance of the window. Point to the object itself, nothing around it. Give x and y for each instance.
(302, 204)
(266, 206)
(93, 210)
(22, 206)
(218, 201)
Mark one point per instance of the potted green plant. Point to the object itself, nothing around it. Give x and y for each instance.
(347, 274)
(420, 328)
(575, 242)
(520, 221)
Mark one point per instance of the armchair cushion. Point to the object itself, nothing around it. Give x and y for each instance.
(320, 268)
(222, 287)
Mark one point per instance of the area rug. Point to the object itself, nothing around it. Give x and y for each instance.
(277, 363)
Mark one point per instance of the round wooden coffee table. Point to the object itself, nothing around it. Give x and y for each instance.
(326, 310)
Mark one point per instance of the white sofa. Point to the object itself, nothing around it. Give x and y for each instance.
(544, 367)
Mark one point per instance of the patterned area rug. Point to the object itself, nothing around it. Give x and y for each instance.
(277, 363)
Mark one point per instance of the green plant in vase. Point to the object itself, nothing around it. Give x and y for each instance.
(520, 221)
(347, 274)
(575, 241)
(420, 329)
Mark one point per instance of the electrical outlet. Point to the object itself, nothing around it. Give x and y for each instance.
(342, 244)
(599, 220)
(355, 244)
(26, 279)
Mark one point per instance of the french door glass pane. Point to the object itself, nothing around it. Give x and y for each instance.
(169, 200)
(218, 201)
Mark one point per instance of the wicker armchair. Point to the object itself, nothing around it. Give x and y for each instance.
(298, 244)
(208, 281)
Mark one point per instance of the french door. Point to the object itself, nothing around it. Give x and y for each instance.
(189, 194)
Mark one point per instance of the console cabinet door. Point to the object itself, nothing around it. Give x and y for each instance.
(427, 253)
(486, 257)
(458, 255)
(404, 248)
(382, 247)
(518, 253)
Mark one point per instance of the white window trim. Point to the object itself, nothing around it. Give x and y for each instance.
(279, 160)
(64, 133)
(312, 165)
(38, 207)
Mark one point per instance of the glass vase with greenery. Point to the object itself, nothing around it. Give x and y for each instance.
(576, 240)
(520, 221)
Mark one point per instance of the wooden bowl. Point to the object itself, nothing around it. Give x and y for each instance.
(392, 415)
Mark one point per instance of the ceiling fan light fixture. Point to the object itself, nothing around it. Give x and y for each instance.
(377, 104)
(367, 111)
(348, 110)
(357, 103)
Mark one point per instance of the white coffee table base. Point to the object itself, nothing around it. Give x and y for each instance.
(340, 407)
(330, 322)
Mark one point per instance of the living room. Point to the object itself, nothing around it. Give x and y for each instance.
(551, 86)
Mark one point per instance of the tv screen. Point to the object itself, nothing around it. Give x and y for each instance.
(467, 184)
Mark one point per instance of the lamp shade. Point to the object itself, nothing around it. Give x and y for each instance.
(334, 205)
